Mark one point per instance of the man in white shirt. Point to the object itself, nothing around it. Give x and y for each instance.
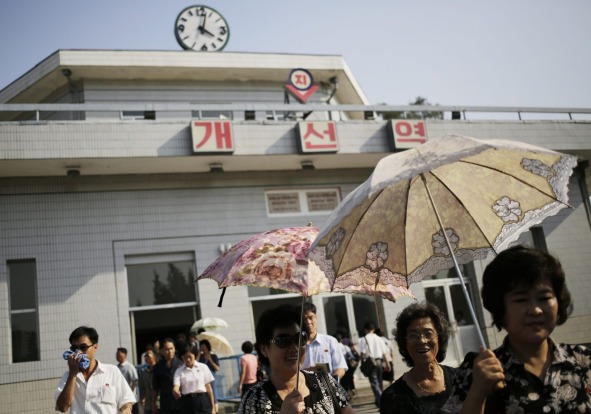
(373, 346)
(322, 349)
(99, 388)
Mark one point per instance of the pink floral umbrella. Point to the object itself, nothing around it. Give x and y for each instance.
(274, 259)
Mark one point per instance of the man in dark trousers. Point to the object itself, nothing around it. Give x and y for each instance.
(162, 380)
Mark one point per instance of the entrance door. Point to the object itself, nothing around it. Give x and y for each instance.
(346, 314)
(448, 296)
(162, 299)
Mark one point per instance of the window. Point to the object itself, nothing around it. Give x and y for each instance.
(24, 323)
(212, 114)
(138, 115)
(163, 283)
(162, 297)
(302, 202)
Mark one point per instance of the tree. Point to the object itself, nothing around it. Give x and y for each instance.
(177, 289)
(419, 101)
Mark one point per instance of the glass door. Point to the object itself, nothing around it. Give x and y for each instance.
(448, 296)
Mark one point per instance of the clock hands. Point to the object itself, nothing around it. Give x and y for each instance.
(202, 28)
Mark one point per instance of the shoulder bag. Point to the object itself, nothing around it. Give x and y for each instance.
(368, 364)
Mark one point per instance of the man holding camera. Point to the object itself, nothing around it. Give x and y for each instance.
(98, 388)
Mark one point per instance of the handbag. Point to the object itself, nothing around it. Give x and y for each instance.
(368, 364)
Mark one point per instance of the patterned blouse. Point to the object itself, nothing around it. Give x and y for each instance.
(263, 397)
(566, 388)
(400, 398)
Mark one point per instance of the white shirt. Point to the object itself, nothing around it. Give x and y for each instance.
(105, 392)
(373, 346)
(192, 379)
(325, 349)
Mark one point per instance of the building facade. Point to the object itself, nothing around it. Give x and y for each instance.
(124, 174)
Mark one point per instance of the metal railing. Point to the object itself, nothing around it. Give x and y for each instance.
(120, 107)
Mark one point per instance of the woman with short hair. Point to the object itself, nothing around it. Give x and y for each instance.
(192, 384)
(278, 336)
(525, 291)
(422, 335)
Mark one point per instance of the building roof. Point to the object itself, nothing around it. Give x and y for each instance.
(47, 76)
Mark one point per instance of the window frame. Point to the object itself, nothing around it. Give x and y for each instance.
(24, 311)
(302, 201)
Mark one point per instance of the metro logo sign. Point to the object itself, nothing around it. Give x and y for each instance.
(405, 134)
(212, 137)
(301, 84)
(317, 136)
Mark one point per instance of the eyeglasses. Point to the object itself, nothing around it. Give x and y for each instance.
(416, 337)
(284, 340)
(81, 347)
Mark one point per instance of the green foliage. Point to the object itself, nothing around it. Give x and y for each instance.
(419, 101)
(178, 288)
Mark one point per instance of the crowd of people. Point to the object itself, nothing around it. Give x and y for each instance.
(297, 369)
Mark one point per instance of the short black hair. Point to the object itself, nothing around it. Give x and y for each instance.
(205, 343)
(87, 331)
(522, 267)
(122, 350)
(247, 347)
(280, 317)
(188, 348)
(309, 307)
(416, 311)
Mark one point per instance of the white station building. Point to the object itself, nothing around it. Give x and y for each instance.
(124, 174)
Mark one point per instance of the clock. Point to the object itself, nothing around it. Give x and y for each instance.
(201, 28)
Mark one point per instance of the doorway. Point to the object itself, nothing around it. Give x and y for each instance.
(448, 296)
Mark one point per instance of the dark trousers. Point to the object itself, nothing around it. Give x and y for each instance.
(246, 387)
(375, 381)
(198, 403)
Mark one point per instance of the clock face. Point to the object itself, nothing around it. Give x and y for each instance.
(201, 28)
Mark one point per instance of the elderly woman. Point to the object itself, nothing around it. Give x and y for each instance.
(525, 291)
(422, 333)
(278, 335)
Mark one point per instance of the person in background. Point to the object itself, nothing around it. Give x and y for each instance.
(279, 337)
(387, 375)
(422, 335)
(248, 368)
(321, 348)
(100, 388)
(129, 372)
(162, 380)
(352, 359)
(525, 291)
(373, 346)
(213, 363)
(179, 342)
(460, 320)
(145, 382)
(192, 384)
(194, 341)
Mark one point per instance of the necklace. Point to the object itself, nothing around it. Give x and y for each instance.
(434, 379)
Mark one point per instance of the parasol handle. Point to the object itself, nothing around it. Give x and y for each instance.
(300, 342)
(456, 265)
(222, 297)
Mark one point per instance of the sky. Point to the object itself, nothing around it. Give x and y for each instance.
(528, 53)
